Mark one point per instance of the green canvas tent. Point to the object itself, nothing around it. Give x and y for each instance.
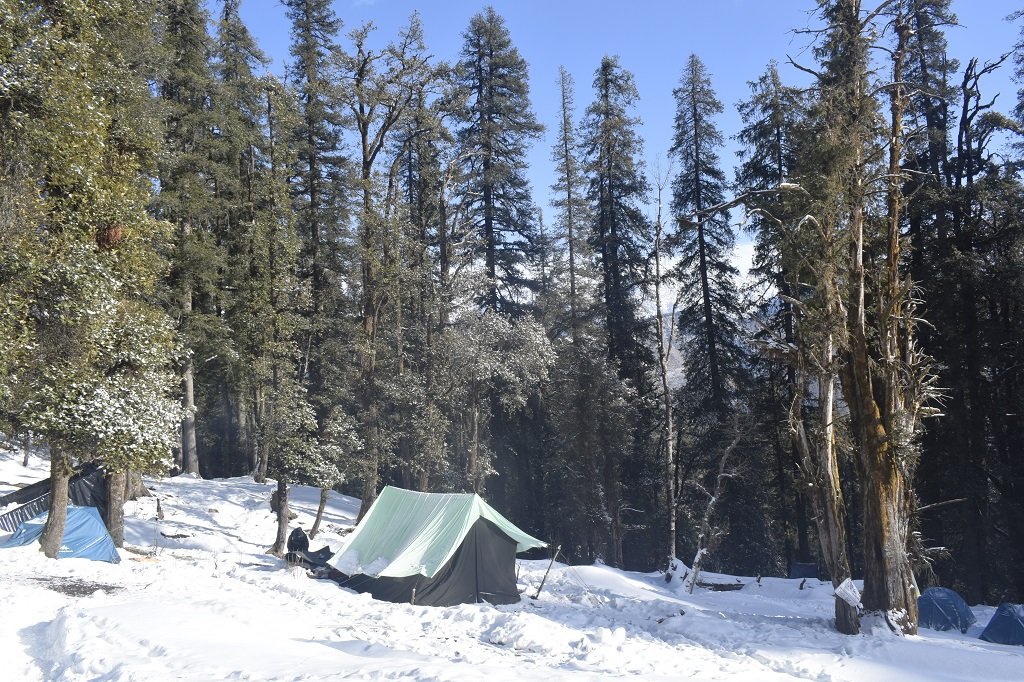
(434, 549)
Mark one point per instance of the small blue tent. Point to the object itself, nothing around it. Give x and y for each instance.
(85, 536)
(940, 608)
(1006, 626)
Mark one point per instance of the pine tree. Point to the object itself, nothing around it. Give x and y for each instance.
(573, 211)
(709, 311)
(620, 232)
(319, 194)
(959, 223)
(497, 125)
(865, 297)
(237, 162)
(320, 189)
(186, 200)
(620, 238)
(588, 408)
(419, 418)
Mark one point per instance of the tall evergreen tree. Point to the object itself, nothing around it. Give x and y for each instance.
(92, 353)
(320, 177)
(863, 290)
(709, 313)
(238, 164)
(709, 308)
(186, 200)
(320, 188)
(620, 232)
(959, 224)
(419, 417)
(497, 126)
(588, 407)
(620, 238)
(571, 203)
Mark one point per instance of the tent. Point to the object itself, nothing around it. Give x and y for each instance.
(803, 570)
(1006, 626)
(85, 536)
(87, 488)
(433, 549)
(940, 608)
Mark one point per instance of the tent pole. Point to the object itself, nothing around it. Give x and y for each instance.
(544, 579)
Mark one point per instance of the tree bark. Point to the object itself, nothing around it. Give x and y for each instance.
(281, 542)
(116, 484)
(135, 487)
(56, 519)
(821, 464)
(324, 492)
(189, 458)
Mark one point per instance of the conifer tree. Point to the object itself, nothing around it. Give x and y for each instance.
(319, 190)
(419, 417)
(238, 165)
(571, 203)
(320, 201)
(588, 411)
(186, 200)
(709, 311)
(863, 293)
(497, 125)
(620, 232)
(620, 237)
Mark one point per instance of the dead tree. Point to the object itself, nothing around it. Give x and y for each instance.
(708, 532)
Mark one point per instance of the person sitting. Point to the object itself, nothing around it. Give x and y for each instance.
(298, 541)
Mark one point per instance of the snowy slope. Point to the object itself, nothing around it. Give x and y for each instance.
(211, 605)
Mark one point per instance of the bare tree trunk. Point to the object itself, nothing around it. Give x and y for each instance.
(116, 483)
(134, 486)
(281, 543)
(668, 432)
(707, 532)
(26, 444)
(60, 474)
(821, 467)
(189, 458)
(324, 492)
(473, 464)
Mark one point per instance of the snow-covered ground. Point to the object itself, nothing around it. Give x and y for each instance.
(209, 604)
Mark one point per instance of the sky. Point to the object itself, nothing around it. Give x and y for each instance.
(735, 39)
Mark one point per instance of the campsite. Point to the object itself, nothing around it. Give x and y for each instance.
(196, 597)
(346, 339)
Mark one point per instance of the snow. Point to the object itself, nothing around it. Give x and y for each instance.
(207, 603)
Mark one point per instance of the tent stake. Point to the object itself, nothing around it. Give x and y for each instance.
(542, 580)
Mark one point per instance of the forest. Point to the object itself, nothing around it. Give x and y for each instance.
(339, 276)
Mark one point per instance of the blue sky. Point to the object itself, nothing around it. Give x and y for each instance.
(734, 38)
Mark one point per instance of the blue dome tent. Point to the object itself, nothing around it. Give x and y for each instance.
(1006, 626)
(85, 536)
(940, 608)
